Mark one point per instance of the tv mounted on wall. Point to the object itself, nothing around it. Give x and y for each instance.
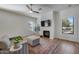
(45, 23)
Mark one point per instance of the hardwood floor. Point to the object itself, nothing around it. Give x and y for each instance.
(55, 46)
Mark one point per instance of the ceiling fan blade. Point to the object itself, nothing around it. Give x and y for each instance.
(28, 7)
(35, 11)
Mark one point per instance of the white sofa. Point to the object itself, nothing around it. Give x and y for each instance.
(5, 38)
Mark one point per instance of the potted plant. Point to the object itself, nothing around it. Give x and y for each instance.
(16, 40)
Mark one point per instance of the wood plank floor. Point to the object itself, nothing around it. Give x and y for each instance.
(55, 46)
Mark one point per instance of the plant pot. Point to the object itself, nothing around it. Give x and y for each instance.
(16, 46)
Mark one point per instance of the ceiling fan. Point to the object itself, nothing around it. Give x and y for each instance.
(31, 9)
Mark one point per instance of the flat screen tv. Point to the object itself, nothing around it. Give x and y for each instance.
(45, 23)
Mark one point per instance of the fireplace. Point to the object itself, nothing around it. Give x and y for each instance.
(46, 33)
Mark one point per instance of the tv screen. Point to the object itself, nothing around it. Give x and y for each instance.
(46, 23)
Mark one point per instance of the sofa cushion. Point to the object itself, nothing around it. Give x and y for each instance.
(5, 38)
(2, 46)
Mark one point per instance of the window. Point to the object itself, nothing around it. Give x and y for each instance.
(34, 26)
(68, 25)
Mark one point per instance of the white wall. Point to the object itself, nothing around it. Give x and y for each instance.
(58, 24)
(14, 24)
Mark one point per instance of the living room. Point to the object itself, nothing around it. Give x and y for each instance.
(40, 28)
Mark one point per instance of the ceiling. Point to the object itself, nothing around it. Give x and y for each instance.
(44, 7)
(57, 7)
